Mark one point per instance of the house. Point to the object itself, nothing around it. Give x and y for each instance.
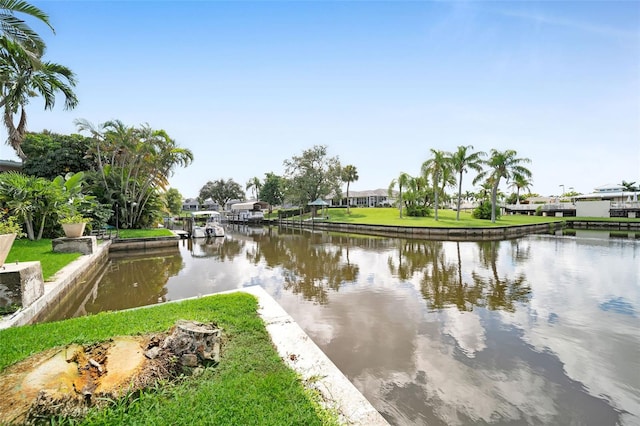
(608, 201)
(374, 198)
(192, 204)
(10, 166)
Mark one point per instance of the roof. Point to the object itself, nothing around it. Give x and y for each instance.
(318, 202)
(249, 205)
(206, 213)
(608, 194)
(609, 188)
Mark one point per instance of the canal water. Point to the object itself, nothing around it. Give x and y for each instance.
(538, 330)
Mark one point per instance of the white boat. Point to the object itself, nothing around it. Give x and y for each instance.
(212, 224)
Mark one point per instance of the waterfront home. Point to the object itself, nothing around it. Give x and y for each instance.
(374, 198)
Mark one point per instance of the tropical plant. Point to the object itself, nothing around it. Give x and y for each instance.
(73, 218)
(20, 81)
(312, 175)
(502, 164)
(36, 200)
(461, 161)
(349, 174)
(17, 30)
(629, 186)
(417, 197)
(402, 182)
(134, 165)
(10, 224)
(484, 211)
(520, 182)
(254, 185)
(437, 167)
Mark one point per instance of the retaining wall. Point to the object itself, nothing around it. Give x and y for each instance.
(430, 233)
(55, 290)
(144, 243)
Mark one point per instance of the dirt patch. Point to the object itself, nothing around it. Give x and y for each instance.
(68, 381)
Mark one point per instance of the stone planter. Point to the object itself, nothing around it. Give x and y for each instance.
(73, 230)
(6, 241)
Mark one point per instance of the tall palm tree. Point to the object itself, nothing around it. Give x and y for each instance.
(502, 164)
(402, 182)
(20, 81)
(520, 182)
(17, 30)
(255, 185)
(462, 160)
(349, 174)
(436, 168)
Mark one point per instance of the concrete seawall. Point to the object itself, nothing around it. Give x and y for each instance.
(56, 289)
(445, 234)
(121, 244)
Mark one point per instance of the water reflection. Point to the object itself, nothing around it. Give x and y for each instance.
(127, 280)
(538, 330)
(310, 265)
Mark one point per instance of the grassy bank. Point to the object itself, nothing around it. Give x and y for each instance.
(144, 233)
(251, 385)
(24, 250)
(446, 218)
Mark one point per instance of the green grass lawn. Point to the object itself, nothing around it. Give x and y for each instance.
(144, 233)
(24, 250)
(446, 218)
(250, 386)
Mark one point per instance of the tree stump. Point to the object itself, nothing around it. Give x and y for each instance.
(194, 338)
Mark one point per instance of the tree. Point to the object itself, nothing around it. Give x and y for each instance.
(272, 190)
(629, 186)
(50, 154)
(312, 175)
(134, 165)
(436, 167)
(520, 182)
(17, 30)
(502, 164)
(36, 199)
(222, 191)
(20, 81)
(402, 182)
(173, 201)
(254, 185)
(349, 174)
(461, 161)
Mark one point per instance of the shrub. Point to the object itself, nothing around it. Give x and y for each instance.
(483, 211)
(418, 211)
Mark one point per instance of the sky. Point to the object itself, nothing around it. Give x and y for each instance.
(246, 85)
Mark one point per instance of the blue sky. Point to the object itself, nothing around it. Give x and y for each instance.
(246, 85)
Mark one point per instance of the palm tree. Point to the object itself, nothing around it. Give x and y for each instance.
(349, 174)
(402, 182)
(461, 161)
(520, 182)
(17, 30)
(629, 186)
(437, 167)
(20, 81)
(502, 164)
(254, 184)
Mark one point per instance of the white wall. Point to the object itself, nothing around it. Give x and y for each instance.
(593, 208)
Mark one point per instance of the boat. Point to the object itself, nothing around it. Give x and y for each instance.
(212, 224)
